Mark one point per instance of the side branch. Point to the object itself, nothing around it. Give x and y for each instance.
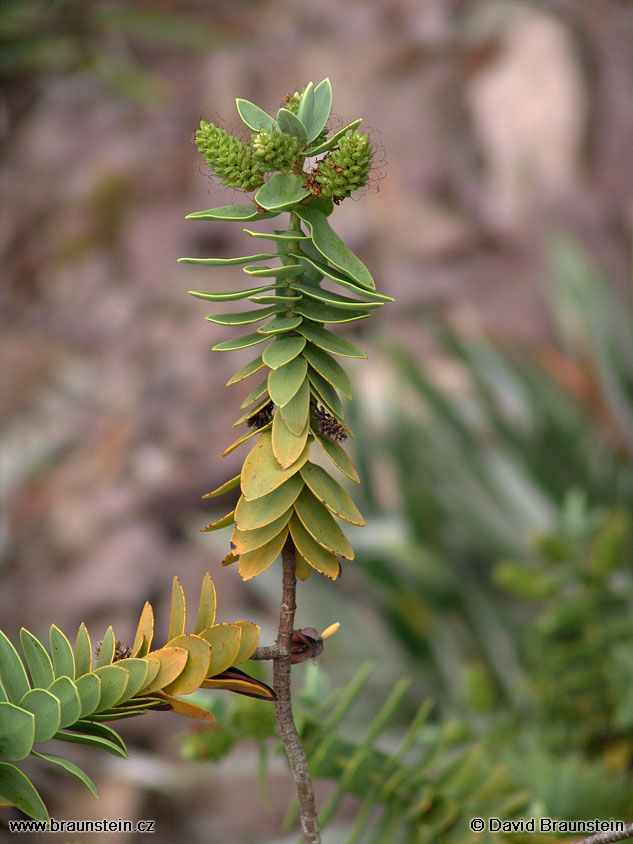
(610, 836)
(283, 705)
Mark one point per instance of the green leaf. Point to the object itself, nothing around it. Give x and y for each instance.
(243, 541)
(91, 741)
(46, 710)
(262, 511)
(83, 653)
(282, 192)
(257, 393)
(338, 456)
(250, 369)
(70, 768)
(208, 602)
(279, 235)
(331, 493)
(230, 297)
(321, 526)
(255, 562)
(37, 659)
(332, 247)
(334, 299)
(17, 732)
(253, 116)
(273, 298)
(329, 368)
(239, 343)
(66, 692)
(107, 648)
(89, 691)
(280, 324)
(226, 487)
(287, 446)
(178, 614)
(318, 557)
(245, 317)
(228, 262)
(319, 312)
(330, 342)
(291, 125)
(114, 681)
(285, 271)
(12, 672)
(90, 728)
(282, 351)
(261, 473)
(284, 382)
(232, 213)
(62, 653)
(225, 521)
(322, 106)
(225, 645)
(327, 393)
(332, 142)
(305, 112)
(20, 791)
(252, 412)
(244, 437)
(297, 412)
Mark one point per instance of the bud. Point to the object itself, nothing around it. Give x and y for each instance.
(275, 150)
(231, 160)
(347, 168)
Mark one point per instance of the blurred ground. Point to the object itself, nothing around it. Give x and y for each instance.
(497, 124)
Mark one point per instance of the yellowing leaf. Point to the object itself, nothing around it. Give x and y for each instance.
(195, 668)
(248, 642)
(144, 632)
(245, 437)
(331, 493)
(227, 487)
(296, 414)
(178, 617)
(338, 456)
(262, 511)
(255, 562)
(208, 604)
(243, 541)
(261, 473)
(320, 559)
(172, 661)
(225, 521)
(183, 707)
(321, 526)
(287, 446)
(302, 566)
(225, 642)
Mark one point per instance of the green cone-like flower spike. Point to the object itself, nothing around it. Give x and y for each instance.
(347, 167)
(275, 151)
(231, 160)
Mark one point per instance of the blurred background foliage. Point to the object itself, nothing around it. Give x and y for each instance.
(493, 589)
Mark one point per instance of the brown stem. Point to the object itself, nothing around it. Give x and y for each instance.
(610, 836)
(266, 652)
(283, 705)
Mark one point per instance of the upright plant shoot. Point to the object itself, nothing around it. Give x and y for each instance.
(309, 279)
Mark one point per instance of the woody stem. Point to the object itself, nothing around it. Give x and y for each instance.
(283, 705)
